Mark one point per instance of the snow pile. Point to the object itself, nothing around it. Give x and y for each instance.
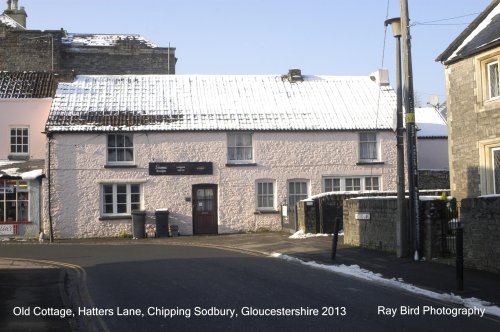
(301, 235)
(357, 272)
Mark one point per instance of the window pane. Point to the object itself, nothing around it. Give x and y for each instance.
(111, 140)
(496, 170)
(128, 141)
(493, 79)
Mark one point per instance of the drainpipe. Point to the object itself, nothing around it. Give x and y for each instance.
(49, 175)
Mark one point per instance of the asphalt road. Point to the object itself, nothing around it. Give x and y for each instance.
(183, 288)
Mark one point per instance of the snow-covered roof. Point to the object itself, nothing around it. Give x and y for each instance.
(481, 34)
(103, 40)
(221, 102)
(10, 22)
(430, 123)
(21, 170)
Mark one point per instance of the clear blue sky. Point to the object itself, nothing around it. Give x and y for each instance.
(325, 37)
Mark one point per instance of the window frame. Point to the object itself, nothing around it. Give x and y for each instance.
(258, 195)
(494, 171)
(488, 82)
(22, 144)
(114, 195)
(289, 194)
(232, 144)
(376, 142)
(344, 179)
(116, 148)
(18, 191)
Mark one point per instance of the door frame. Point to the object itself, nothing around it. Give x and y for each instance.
(215, 207)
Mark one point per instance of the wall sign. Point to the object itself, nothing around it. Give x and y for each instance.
(362, 215)
(187, 168)
(7, 230)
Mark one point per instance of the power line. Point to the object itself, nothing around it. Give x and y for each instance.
(434, 22)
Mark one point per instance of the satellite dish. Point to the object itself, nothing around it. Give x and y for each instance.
(433, 101)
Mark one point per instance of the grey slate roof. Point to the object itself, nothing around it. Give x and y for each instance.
(478, 36)
(221, 102)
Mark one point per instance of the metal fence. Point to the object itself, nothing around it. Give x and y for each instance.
(451, 224)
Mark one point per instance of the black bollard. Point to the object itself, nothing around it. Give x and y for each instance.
(460, 257)
(335, 237)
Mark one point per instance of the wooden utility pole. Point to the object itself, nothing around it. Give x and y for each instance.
(411, 134)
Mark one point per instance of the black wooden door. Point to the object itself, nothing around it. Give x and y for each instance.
(205, 209)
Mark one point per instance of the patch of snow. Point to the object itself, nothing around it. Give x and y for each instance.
(8, 162)
(430, 123)
(31, 175)
(360, 273)
(488, 196)
(301, 235)
(11, 171)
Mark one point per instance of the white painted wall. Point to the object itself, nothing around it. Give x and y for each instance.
(24, 112)
(78, 161)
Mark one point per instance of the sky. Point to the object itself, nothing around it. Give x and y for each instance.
(320, 37)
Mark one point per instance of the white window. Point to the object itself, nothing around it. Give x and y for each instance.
(493, 83)
(495, 161)
(120, 149)
(361, 183)
(120, 199)
(19, 140)
(368, 146)
(372, 183)
(14, 200)
(266, 195)
(239, 148)
(297, 190)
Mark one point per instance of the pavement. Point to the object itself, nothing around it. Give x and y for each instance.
(434, 275)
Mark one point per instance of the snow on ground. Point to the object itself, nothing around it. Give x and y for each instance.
(301, 235)
(357, 272)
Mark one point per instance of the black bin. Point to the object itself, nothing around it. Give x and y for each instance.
(161, 217)
(139, 224)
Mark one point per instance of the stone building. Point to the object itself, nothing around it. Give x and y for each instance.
(223, 154)
(58, 51)
(473, 98)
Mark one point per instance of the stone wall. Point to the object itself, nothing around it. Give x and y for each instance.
(31, 50)
(433, 179)
(380, 230)
(480, 218)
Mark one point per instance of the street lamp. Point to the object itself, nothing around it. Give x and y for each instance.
(402, 226)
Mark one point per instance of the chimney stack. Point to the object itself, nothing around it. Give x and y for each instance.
(18, 15)
(295, 75)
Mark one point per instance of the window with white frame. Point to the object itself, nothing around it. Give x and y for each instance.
(351, 183)
(14, 200)
(239, 148)
(120, 198)
(368, 146)
(493, 82)
(120, 149)
(19, 140)
(266, 195)
(297, 191)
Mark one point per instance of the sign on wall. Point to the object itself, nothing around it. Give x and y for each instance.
(362, 215)
(187, 168)
(7, 230)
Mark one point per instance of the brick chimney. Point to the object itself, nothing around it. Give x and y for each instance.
(17, 14)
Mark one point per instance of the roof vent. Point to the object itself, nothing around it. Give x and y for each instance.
(381, 77)
(295, 75)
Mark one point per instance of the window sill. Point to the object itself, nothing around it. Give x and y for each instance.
(241, 165)
(115, 217)
(18, 157)
(119, 166)
(267, 212)
(11, 222)
(361, 163)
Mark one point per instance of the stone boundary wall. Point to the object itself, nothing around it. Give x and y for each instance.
(433, 179)
(380, 230)
(480, 218)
